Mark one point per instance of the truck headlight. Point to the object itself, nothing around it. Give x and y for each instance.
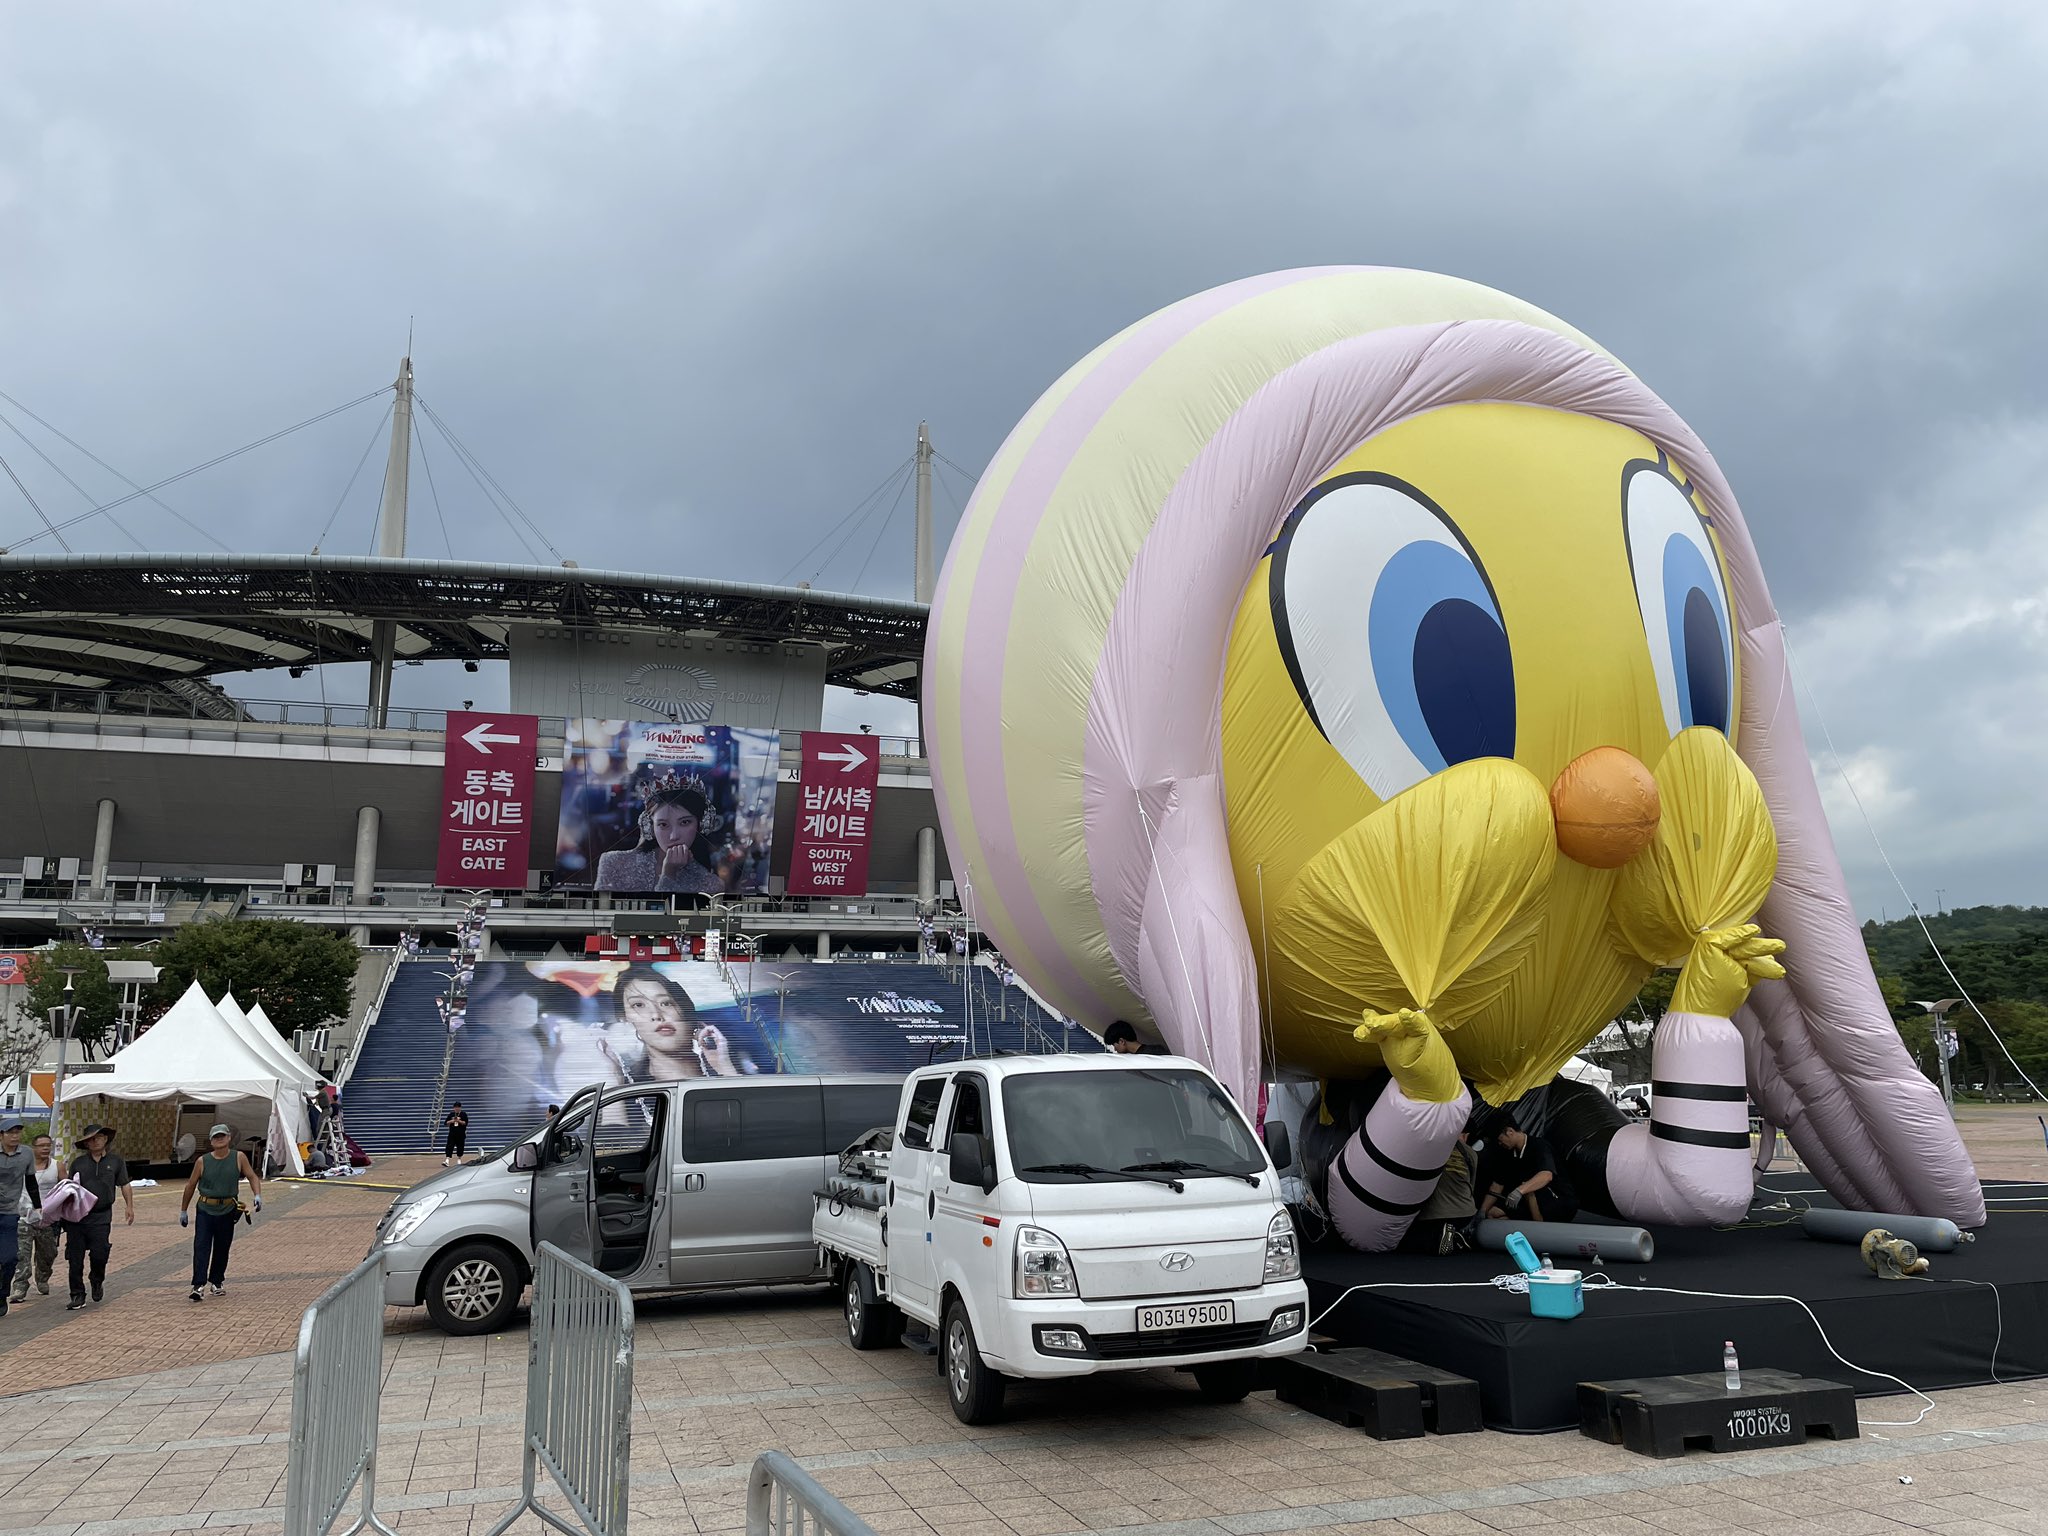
(1043, 1268)
(409, 1218)
(1283, 1253)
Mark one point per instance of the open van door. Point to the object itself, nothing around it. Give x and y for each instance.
(565, 1183)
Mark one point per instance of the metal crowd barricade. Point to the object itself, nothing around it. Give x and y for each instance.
(785, 1500)
(579, 1395)
(337, 1374)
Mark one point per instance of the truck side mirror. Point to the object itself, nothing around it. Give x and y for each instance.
(1278, 1145)
(968, 1164)
(525, 1157)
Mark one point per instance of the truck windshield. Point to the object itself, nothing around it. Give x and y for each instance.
(1064, 1125)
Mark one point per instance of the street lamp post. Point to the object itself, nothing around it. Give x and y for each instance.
(62, 1017)
(1939, 1011)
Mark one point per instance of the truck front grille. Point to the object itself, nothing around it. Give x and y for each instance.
(1178, 1341)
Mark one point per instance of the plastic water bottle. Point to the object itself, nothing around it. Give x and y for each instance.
(1731, 1369)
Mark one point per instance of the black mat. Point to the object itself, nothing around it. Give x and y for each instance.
(1938, 1334)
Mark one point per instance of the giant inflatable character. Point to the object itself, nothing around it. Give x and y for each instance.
(1358, 674)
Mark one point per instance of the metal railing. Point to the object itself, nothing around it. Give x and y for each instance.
(785, 1500)
(579, 1396)
(336, 1376)
(150, 705)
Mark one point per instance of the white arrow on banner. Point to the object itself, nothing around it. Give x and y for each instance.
(480, 736)
(848, 757)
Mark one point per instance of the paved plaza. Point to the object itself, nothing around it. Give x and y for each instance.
(151, 1415)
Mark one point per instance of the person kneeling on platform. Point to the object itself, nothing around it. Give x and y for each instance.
(1444, 1224)
(1520, 1180)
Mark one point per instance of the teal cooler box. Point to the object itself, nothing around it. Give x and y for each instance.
(1557, 1293)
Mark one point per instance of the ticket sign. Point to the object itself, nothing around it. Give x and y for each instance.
(828, 855)
(487, 801)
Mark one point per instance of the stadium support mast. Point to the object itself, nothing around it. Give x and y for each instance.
(391, 537)
(922, 581)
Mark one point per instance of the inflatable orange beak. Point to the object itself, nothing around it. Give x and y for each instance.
(1606, 807)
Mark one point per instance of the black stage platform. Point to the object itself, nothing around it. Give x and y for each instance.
(1937, 1334)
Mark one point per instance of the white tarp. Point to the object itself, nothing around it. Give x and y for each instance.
(194, 1054)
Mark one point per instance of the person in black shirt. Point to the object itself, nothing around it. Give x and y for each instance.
(1519, 1179)
(102, 1172)
(1123, 1039)
(458, 1134)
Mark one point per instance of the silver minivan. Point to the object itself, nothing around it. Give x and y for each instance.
(669, 1186)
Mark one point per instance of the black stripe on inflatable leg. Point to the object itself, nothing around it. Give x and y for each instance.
(1398, 1170)
(1734, 1140)
(1365, 1196)
(1719, 1093)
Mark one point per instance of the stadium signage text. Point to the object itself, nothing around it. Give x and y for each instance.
(486, 801)
(828, 855)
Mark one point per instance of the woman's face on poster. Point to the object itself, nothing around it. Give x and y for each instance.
(657, 1016)
(675, 829)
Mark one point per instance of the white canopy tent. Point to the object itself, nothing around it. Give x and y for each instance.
(256, 1030)
(1580, 1070)
(194, 1055)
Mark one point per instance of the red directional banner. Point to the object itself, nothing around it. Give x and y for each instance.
(487, 801)
(835, 812)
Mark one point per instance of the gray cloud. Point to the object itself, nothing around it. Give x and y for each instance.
(686, 277)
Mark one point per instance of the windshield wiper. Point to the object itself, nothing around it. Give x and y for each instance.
(1096, 1171)
(1182, 1165)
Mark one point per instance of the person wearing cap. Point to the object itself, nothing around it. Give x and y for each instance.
(216, 1182)
(17, 1177)
(458, 1134)
(39, 1236)
(102, 1172)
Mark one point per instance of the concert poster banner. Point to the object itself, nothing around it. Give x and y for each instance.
(828, 854)
(536, 1031)
(651, 806)
(486, 801)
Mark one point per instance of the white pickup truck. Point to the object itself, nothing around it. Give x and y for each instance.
(1060, 1215)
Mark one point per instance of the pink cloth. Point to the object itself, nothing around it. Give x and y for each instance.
(69, 1201)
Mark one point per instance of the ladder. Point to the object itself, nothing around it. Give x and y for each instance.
(332, 1140)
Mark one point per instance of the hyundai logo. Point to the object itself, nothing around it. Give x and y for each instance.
(1177, 1261)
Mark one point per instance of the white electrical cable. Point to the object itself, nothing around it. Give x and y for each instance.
(1912, 905)
(1603, 1282)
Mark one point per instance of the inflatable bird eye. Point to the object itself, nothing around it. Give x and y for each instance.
(1358, 675)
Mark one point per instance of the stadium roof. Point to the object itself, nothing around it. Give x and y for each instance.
(129, 620)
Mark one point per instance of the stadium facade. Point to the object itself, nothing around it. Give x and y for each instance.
(141, 795)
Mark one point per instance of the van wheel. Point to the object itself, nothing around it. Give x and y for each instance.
(975, 1391)
(871, 1323)
(1225, 1381)
(473, 1288)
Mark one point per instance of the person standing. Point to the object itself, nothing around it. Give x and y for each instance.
(17, 1176)
(101, 1171)
(458, 1134)
(215, 1181)
(42, 1236)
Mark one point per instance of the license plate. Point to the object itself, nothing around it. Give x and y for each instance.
(1194, 1314)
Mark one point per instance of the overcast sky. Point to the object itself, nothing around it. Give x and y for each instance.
(686, 277)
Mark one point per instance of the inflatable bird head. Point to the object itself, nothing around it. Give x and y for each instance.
(1349, 642)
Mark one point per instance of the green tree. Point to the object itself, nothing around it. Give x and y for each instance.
(302, 975)
(1654, 996)
(98, 1000)
(2024, 1028)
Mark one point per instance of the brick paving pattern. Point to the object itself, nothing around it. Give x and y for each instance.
(200, 1443)
(307, 1236)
